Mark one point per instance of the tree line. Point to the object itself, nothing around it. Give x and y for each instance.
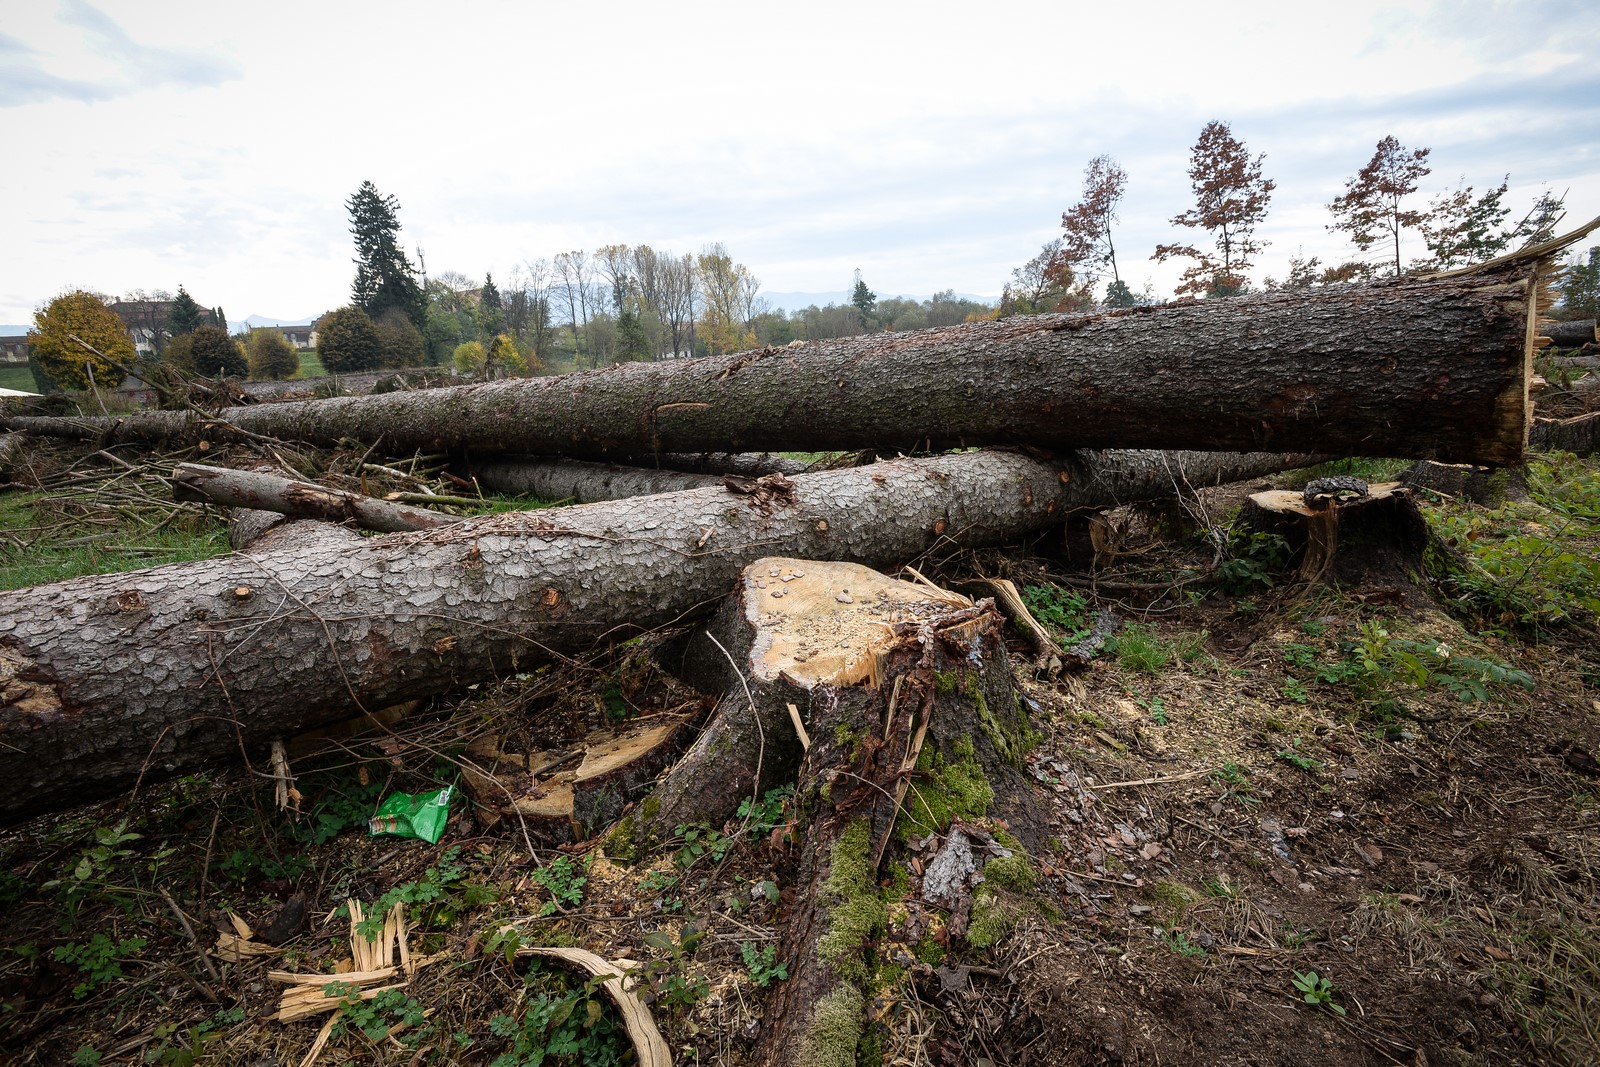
(1231, 198)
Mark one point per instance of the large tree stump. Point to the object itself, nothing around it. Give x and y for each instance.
(1343, 536)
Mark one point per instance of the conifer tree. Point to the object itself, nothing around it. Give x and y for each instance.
(185, 314)
(385, 277)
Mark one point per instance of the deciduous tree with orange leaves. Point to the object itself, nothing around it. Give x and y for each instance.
(1370, 208)
(1231, 199)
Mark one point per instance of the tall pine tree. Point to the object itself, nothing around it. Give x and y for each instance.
(185, 314)
(385, 277)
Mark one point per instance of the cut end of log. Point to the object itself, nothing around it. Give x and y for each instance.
(825, 623)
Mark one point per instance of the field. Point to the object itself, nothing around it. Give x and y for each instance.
(1286, 823)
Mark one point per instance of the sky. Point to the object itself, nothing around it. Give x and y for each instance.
(930, 145)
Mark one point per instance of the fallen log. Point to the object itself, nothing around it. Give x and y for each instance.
(749, 464)
(261, 491)
(110, 678)
(1573, 334)
(1428, 368)
(580, 481)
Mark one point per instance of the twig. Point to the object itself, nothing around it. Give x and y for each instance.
(183, 921)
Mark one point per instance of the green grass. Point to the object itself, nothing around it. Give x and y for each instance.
(311, 365)
(32, 552)
(18, 377)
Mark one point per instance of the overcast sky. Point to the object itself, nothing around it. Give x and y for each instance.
(932, 145)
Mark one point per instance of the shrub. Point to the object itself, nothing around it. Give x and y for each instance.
(62, 329)
(347, 340)
(272, 358)
(401, 340)
(215, 354)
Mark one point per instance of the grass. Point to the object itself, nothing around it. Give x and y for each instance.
(34, 550)
(18, 377)
(311, 365)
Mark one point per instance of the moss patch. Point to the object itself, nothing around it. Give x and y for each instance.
(945, 790)
(990, 920)
(859, 915)
(835, 1029)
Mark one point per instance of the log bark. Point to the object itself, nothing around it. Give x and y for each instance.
(261, 491)
(749, 464)
(1435, 368)
(1579, 434)
(1573, 334)
(110, 678)
(580, 481)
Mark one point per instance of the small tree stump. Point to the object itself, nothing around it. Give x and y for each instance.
(1371, 539)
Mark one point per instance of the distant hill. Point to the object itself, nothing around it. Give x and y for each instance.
(252, 321)
(798, 301)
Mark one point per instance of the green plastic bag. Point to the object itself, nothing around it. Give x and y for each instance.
(421, 815)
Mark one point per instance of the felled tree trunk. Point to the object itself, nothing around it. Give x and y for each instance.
(1579, 434)
(1425, 368)
(582, 482)
(262, 491)
(107, 678)
(749, 464)
(1573, 334)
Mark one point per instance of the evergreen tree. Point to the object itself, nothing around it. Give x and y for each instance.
(185, 314)
(1580, 289)
(491, 309)
(864, 299)
(272, 358)
(216, 355)
(347, 340)
(385, 277)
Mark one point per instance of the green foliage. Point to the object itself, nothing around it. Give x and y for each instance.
(1138, 647)
(400, 339)
(1179, 943)
(767, 814)
(385, 277)
(1580, 289)
(185, 315)
(763, 966)
(667, 976)
(271, 356)
(99, 960)
(345, 804)
(502, 357)
(469, 358)
(1295, 758)
(1316, 990)
(1254, 560)
(561, 1023)
(376, 1016)
(1062, 610)
(564, 879)
(698, 842)
(215, 354)
(86, 1056)
(438, 896)
(63, 328)
(348, 340)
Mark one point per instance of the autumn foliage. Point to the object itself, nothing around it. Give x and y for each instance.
(1231, 199)
(76, 338)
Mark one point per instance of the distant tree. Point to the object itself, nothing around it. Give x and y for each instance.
(1370, 208)
(947, 309)
(502, 357)
(185, 314)
(1086, 226)
(491, 309)
(216, 355)
(1580, 289)
(469, 358)
(271, 357)
(179, 354)
(574, 273)
(1460, 228)
(76, 338)
(1118, 295)
(441, 335)
(1045, 283)
(401, 341)
(347, 340)
(864, 300)
(385, 277)
(1231, 199)
(729, 291)
(1539, 224)
(219, 318)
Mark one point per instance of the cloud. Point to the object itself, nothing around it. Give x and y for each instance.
(124, 66)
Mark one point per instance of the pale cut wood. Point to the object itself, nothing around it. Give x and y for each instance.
(648, 1044)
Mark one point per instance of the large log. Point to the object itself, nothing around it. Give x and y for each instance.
(1573, 334)
(580, 481)
(1428, 368)
(264, 491)
(107, 678)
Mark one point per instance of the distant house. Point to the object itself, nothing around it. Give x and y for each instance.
(146, 321)
(302, 337)
(14, 349)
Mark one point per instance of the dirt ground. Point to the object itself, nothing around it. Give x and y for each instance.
(1285, 823)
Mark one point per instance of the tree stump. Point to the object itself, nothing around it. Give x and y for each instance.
(1343, 537)
(906, 698)
(1489, 486)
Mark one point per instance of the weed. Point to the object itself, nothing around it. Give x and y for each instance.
(1253, 560)
(700, 841)
(1139, 648)
(375, 1018)
(1298, 759)
(564, 879)
(762, 966)
(1175, 939)
(1295, 690)
(437, 897)
(1219, 887)
(765, 815)
(1157, 708)
(667, 978)
(1316, 990)
(98, 959)
(1062, 610)
(1298, 655)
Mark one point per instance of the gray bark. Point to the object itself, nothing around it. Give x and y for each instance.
(108, 678)
(1573, 334)
(749, 464)
(1423, 368)
(580, 481)
(260, 491)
